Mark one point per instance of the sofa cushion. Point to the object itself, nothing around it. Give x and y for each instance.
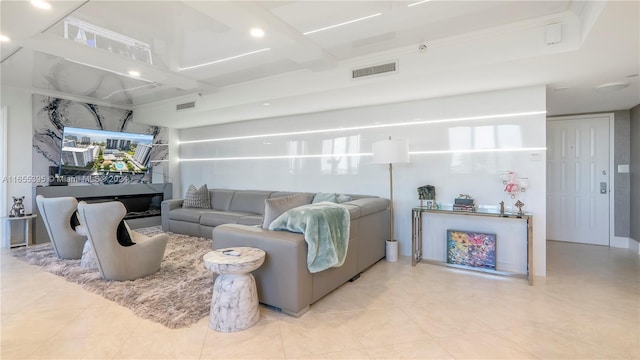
(277, 206)
(122, 234)
(331, 197)
(370, 206)
(190, 215)
(215, 218)
(197, 198)
(221, 199)
(249, 201)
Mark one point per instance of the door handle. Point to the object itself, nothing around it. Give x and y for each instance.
(603, 187)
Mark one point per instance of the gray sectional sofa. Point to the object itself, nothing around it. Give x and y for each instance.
(283, 280)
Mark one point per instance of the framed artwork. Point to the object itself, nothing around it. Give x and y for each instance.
(469, 248)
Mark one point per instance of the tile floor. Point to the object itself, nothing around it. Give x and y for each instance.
(588, 307)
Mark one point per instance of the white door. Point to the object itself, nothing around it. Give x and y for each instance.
(578, 180)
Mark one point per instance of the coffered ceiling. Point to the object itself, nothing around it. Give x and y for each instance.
(152, 55)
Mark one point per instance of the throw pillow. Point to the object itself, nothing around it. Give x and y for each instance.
(74, 221)
(122, 234)
(331, 197)
(342, 198)
(277, 206)
(197, 198)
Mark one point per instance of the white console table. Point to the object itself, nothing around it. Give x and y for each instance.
(416, 233)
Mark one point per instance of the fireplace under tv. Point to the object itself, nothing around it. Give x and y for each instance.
(138, 206)
(142, 202)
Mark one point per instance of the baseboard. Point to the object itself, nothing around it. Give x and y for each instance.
(620, 242)
(634, 246)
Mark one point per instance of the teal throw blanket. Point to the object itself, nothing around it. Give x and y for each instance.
(325, 226)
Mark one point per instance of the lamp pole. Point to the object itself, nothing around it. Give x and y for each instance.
(391, 238)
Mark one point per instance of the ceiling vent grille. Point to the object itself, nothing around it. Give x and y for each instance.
(374, 70)
(187, 105)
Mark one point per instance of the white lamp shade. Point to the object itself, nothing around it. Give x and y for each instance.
(390, 151)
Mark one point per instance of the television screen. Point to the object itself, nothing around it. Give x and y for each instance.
(97, 152)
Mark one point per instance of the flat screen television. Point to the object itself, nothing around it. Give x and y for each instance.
(98, 152)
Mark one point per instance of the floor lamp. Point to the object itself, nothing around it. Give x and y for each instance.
(391, 152)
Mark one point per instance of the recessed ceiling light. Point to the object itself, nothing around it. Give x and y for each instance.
(266, 103)
(257, 32)
(225, 59)
(614, 86)
(341, 24)
(41, 4)
(4, 38)
(134, 73)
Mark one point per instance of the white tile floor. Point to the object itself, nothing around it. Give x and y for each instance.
(588, 307)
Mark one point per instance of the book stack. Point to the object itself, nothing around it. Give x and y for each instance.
(464, 204)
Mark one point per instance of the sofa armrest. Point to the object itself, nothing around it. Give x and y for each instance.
(283, 280)
(165, 207)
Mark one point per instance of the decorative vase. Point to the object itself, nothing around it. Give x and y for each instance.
(392, 251)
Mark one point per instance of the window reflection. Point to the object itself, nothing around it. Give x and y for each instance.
(466, 138)
(295, 147)
(509, 136)
(334, 162)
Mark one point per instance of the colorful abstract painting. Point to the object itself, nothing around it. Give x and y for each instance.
(471, 249)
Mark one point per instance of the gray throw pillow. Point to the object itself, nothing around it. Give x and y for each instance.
(342, 198)
(197, 198)
(275, 207)
(331, 197)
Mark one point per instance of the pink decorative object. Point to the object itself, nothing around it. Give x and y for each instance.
(512, 187)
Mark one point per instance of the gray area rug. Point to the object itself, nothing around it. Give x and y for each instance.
(176, 296)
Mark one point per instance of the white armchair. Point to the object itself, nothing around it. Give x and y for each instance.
(139, 258)
(56, 214)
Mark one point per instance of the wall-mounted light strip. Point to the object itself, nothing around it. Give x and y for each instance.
(277, 157)
(418, 3)
(435, 152)
(471, 151)
(376, 126)
(225, 59)
(341, 24)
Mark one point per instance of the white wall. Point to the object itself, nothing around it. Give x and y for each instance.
(19, 134)
(3, 173)
(450, 169)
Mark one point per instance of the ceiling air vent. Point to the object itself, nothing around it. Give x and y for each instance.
(187, 105)
(374, 70)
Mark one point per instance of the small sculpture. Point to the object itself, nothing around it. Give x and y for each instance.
(18, 207)
(512, 187)
(519, 204)
(427, 192)
(501, 208)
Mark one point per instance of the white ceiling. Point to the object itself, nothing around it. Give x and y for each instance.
(471, 46)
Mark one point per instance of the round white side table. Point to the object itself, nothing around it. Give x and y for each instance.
(234, 304)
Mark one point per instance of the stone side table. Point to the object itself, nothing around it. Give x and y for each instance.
(234, 304)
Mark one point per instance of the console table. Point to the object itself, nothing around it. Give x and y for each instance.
(416, 233)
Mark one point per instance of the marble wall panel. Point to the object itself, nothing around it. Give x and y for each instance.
(51, 115)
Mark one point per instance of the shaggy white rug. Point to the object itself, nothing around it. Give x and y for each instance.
(176, 296)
